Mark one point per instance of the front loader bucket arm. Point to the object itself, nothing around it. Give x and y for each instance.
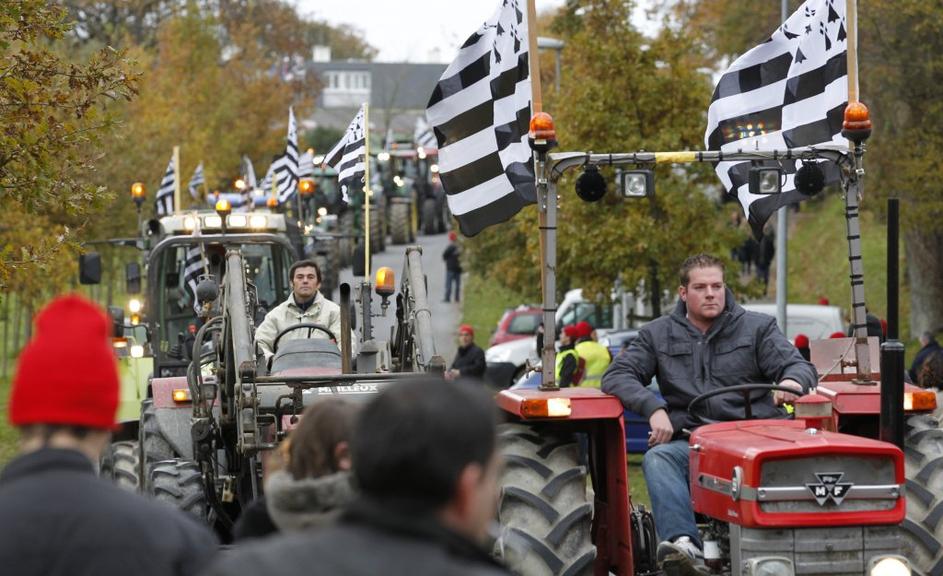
(240, 369)
(413, 336)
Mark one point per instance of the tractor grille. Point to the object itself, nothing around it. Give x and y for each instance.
(843, 551)
(865, 475)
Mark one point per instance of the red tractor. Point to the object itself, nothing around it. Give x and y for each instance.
(820, 494)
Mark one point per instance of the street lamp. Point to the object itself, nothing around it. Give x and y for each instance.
(557, 46)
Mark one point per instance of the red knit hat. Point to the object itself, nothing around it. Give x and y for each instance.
(584, 329)
(837, 335)
(466, 329)
(572, 331)
(453, 236)
(67, 374)
(802, 341)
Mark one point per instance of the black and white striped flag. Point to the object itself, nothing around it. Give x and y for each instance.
(423, 135)
(306, 165)
(266, 185)
(193, 268)
(249, 171)
(196, 181)
(164, 201)
(286, 168)
(480, 112)
(347, 156)
(790, 92)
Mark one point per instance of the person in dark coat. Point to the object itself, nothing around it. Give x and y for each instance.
(709, 342)
(59, 517)
(453, 268)
(469, 359)
(928, 346)
(427, 473)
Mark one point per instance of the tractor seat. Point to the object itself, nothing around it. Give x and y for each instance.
(306, 353)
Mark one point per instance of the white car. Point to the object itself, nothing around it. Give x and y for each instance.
(817, 322)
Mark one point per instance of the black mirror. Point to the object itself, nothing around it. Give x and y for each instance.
(117, 321)
(132, 277)
(90, 268)
(590, 185)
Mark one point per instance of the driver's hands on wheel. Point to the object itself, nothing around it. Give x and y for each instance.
(780, 398)
(662, 430)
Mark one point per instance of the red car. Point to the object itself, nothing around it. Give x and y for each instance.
(516, 323)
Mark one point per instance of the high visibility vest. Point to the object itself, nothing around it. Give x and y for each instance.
(597, 360)
(577, 374)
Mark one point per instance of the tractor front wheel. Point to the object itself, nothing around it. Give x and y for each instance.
(399, 223)
(180, 483)
(923, 528)
(544, 511)
(120, 464)
(153, 446)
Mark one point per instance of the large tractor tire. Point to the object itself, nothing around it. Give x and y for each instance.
(377, 242)
(544, 511)
(345, 244)
(121, 465)
(922, 531)
(428, 216)
(152, 444)
(399, 223)
(178, 482)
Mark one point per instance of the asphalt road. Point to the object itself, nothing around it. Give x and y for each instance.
(445, 317)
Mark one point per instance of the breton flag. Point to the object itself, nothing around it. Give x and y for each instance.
(789, 91)
(347, 156)
(196, 181)
(193, 268)
(423, 135)
(286, 167)
(249, 171)
(480, 112)
(306, 165)
(164, 201)
(266, 185)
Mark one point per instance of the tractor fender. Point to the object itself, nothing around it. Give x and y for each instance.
(173, 418)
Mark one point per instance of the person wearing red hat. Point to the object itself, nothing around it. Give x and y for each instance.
(570, 367)
(596, 356)
(453, 268)
(469, 359)
(59, 517)
(802, 345)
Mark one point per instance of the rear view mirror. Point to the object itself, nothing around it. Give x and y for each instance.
(117, 321)
(90, 268)
(132, 277)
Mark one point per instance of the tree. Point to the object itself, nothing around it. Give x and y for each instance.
(54, 113)
(621, 92)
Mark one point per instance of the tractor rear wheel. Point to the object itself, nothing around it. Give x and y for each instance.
(152, 444)
(922, 532)
(377, 242)
(429, 216)
(180, 483)
(120, 463)
(399, 223)
(544, 511)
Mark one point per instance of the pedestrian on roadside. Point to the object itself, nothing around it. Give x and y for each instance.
(931, 371)
(469, 359)
(570, 367)
(765, 252)
(596, 356)
(802, 345)
(928, 346)
(453, 268)
(425, 461)
(59, 517)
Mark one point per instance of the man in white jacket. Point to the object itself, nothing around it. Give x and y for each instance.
(305, 304)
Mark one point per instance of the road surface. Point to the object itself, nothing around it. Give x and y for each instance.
(445, 317)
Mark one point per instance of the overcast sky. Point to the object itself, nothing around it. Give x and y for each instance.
(410, 30)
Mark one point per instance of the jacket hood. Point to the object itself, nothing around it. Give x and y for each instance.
(731, 311)
(296, 505)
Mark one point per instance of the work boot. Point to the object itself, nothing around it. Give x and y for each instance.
(681, 557)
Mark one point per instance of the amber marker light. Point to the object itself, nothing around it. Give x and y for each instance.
(385, 282)
(542, 127)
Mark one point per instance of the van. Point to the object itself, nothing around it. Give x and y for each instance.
(814, 320)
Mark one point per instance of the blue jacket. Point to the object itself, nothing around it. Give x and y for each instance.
(741, 347)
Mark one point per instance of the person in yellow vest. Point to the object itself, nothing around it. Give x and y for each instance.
(570, 367)
(596, 355)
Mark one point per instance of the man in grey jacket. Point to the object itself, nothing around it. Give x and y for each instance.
(708, 342)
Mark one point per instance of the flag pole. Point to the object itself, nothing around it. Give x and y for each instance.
(366, 191)
(177, 206)
(851, 16)
(546, 217)
(782, 233)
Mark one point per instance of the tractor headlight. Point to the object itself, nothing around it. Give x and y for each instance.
(135, 306)
(258, 221)
(889, 566)
(769, 566)
(137, 351)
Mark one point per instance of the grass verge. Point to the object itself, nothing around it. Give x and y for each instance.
(8, 435)
(483, 305)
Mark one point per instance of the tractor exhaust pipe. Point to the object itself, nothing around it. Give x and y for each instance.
(345, 328)
(892, 351)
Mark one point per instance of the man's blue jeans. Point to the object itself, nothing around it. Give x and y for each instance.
(666, 474)
(453, 278)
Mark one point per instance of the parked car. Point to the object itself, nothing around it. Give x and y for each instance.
(516, 323)
(815, 321)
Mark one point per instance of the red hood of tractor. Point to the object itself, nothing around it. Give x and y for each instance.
(776, 473)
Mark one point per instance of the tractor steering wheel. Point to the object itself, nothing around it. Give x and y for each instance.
(310, 326)
(695, 406)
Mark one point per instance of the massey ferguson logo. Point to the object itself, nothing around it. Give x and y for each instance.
(829, 487)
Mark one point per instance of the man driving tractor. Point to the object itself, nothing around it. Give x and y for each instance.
(304, 304)
(708, 342)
